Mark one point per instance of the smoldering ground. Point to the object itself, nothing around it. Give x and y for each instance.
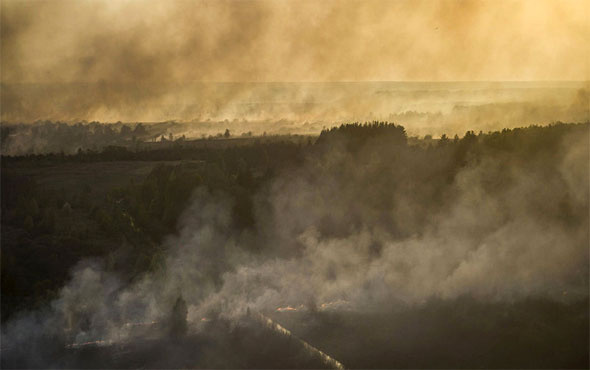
(368, 228)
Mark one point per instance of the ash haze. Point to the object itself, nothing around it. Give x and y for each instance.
(266, 41)
(161, 60)
(186, 184)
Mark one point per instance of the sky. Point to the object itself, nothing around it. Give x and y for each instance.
(64, 41)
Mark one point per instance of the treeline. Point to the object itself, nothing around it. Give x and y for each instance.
(176, 151)
(381, 171)
(55, 137)
(357, 134)
(45, 137)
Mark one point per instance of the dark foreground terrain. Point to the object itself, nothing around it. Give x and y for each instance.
(217, 344)
(461, 334)
(458, 334)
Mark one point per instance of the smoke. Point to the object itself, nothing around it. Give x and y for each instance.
(287, 108)
(500, 244)
(334, 235)
(159, 41)
(155, 60)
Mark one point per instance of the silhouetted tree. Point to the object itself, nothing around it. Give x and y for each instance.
(178, 325)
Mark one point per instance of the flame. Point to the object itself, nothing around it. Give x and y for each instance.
(102, 342)
(140, 323)
(338, 304)
(326, 359)
(289, 308)
(333, 305)
(95, 342)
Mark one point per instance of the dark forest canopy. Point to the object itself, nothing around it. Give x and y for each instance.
(45, 137)
(519, 195)
(356, 134)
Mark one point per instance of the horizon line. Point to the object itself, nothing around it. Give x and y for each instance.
(304, 81)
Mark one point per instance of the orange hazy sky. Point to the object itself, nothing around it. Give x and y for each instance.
(281, 40)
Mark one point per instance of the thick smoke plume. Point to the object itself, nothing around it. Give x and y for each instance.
(278, 109)
(176, 41)
(156, 60)
(504, 230)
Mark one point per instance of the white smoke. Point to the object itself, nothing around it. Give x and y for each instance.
(495, 246)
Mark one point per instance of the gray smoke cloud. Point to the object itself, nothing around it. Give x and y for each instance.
(262, 40)
(156, 60)
(287, 108)
(325, 245)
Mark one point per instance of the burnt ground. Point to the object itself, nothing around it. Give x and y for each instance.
(219, 344)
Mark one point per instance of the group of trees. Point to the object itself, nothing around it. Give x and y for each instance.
(55, 137)
(47, 229)
(44, 137)
(357, 134)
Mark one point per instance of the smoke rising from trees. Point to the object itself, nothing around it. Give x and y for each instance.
(366, 226)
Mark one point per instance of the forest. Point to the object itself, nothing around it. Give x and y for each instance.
(478, 243)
